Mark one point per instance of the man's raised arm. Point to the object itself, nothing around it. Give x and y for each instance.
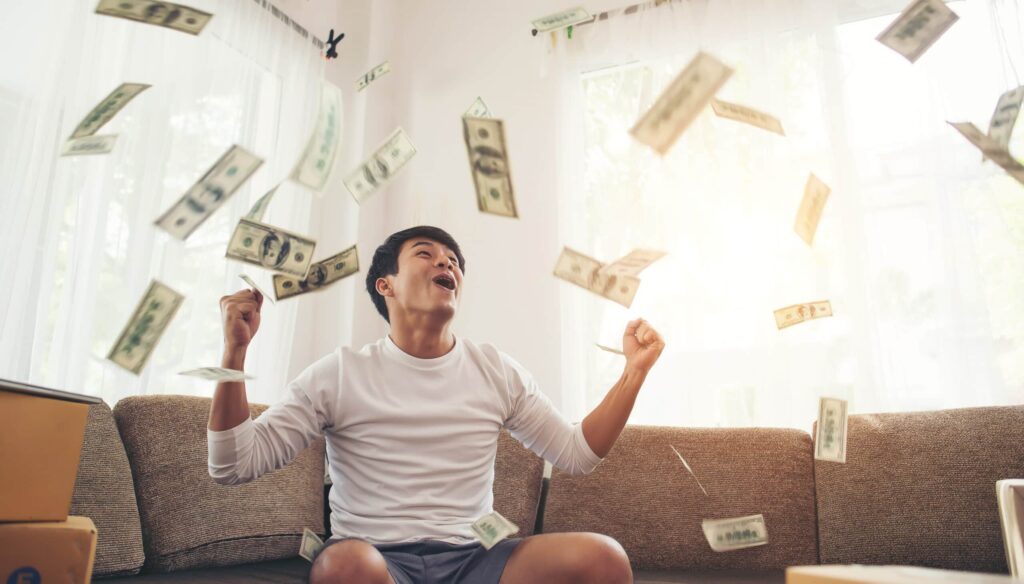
(240, 313)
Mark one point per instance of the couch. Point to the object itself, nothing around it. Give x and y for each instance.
(917, 489)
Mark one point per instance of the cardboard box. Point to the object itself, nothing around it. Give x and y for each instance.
(40, 445)
(33, 553)
(887, 575)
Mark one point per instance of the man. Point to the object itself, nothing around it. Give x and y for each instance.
(412, 423)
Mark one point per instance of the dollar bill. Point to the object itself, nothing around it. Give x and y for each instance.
(209, 193)
(381, 166)
(726, 535)
(372, 75)
(633, 263)
(478, 109)
(488, 165)
(585, 272)
(608, 349)
(144, 329)
(252, 284)
(89, 145)
(492, 528)
(314, 168)
(260, 207)
(991, 149)
(321, 274)
(741, 113)
(108, 108)
(1004, 118)
(688, 469)
(807, 217)
(830, 439)
(561, 19)
(270, 247)
(165, 14)
(681, 102)
(217, 374)
(797, 313)
(311, 545)
(917, 28)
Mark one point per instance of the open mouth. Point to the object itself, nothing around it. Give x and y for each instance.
(445, 281)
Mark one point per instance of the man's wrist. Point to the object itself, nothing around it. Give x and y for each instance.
(233, 358)
(633, 373)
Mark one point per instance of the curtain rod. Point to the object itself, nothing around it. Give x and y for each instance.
(631, 9)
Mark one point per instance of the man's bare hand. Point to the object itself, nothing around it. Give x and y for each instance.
(641, 344)
(240, 313)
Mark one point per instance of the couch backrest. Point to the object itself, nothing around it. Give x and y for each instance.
(518, 475)
(188, 520)
(104, 492)
(919, 488)
(643, 496)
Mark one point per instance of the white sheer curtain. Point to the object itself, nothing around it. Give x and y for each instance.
(920, 248)
(79, 231)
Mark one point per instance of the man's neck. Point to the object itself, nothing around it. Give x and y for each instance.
(422, 342)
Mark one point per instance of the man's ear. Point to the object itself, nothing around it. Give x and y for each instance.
(384, 287)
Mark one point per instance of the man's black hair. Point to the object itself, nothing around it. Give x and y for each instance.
(385, 259)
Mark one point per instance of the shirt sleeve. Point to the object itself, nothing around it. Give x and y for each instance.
(536, 423)
(256, 447)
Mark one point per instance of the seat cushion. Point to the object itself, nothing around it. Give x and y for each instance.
(290, 571)
(919, 488)
(518, 474)
(104, 492)
(710, 577)
(190, 521)
(643, 496)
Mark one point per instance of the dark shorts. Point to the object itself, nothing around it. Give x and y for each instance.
(437, 562)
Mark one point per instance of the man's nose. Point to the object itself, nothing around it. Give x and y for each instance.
(444, 262)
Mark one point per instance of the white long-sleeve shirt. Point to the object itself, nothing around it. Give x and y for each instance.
(410, 442)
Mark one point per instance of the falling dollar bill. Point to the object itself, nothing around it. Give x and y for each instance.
(321, 274)
(271, 248)
(807, 217)
(790, 315)
(991, 149)
(608, 349)
(108, 108)
(740, 113)
(89, 145)
(688, 469)
(381, 167)
(1000, 127)
(561, 19)
(726, 535)
(314, 168)
(488, 165)
(830, 439)
(252, 284)
(585, 272)
(681, 102)
(311, 545)
(210, 192)
(372, 75)
(217, 374)
(147, 324)
(492, 528)
(165, 14)
(478, 109)
(633, 263)
(917, 28)
(260, 207)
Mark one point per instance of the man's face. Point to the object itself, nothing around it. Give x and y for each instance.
(429, 280)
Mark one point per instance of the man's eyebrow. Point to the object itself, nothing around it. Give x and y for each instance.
(420, 243)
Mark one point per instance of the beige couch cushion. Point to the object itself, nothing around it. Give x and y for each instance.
(643, 497)
(919, 488)
(518, 474)
(104, 493)
(190, 521)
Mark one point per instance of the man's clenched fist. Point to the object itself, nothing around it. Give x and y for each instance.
(641, 344)
(241, 315)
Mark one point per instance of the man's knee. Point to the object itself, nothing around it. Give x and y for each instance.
(600, 558)
(352, 561)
